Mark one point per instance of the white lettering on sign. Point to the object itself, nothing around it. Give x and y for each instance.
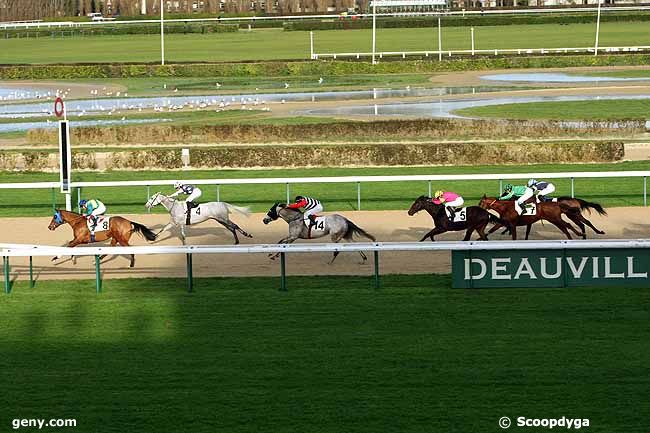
(558, 268)
(577, 272)
(468, 269)
(594, 263)
(525, 268)
(630, 270)
(499, 265)
(608, 269)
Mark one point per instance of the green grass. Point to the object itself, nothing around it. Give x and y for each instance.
(329, 355)
(565, 110)
(629, 73)
(375, 196)
(274, 44)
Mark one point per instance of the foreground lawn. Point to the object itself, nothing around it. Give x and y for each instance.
(566, 110)
(340, 196)
(330, 355)
(274, 44)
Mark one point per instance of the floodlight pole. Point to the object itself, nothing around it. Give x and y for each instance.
(597, 28)
(162, 33)
(374, 31)
(439, 41)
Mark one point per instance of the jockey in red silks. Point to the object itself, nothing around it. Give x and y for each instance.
(450, 200)
(311, 208)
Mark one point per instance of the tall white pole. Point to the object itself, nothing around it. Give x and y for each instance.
(374, 31)
(311, 44)
(439, 41)
(472, 30)
(597, 29)
(162, 34)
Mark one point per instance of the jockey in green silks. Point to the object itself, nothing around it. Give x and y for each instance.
(519, 193)
(91, 209)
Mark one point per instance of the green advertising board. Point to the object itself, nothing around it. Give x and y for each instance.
(551, 268)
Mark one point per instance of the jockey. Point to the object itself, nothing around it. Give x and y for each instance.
(450, 200)
(192, 194)
(91, 209)
(519, 193)
(542, 189)
(311, 208)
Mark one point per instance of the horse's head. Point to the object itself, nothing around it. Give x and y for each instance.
(154, 200)
(272, 214)
(487, 202)
(419, 204)
(56, 220)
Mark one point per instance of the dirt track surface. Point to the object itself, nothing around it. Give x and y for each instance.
(632, 223)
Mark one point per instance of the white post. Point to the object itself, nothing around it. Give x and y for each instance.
(374, 31)
(162, 34)
(311, 44)
(68, 201)
(597, 29)
(472, 30)
(439, 41)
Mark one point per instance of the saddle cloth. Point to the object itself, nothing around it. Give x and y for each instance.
(529, 209)
(459, 217)
(319, 227)
(103, 223)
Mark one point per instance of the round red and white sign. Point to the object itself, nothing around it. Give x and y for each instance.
(58, 107)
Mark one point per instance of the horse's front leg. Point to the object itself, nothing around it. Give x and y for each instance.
(72, 243)
(287, 240)
(167, 227)
(432, 233)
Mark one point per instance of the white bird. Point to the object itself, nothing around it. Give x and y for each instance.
(408, 88)
(286, 85)
(175, 89)
(218, 85)
(320, 80)
(283, 101)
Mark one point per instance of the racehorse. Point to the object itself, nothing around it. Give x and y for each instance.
(119, 230)
(476, 218)
(337, 226)
(216, 210)
(549, 211)
(572, 208)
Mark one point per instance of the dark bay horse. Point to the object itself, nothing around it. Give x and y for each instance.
(549, 211)
(476, 219)
(119, 230)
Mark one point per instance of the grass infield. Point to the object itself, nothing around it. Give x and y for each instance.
(330, 355)
(339, 197)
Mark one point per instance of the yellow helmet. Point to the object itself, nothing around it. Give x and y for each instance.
(438, 194)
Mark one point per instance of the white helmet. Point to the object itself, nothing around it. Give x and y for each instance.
(177, 184)
(532, 182)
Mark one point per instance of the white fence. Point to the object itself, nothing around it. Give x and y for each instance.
(14, 250)
(358, 180)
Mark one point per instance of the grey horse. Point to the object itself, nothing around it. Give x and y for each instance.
(216, 210)
(337, 226)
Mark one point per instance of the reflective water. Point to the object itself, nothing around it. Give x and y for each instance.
(555, 77)
(444, 108)
(26, 126)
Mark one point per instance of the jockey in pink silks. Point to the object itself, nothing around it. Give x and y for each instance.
(450, 200)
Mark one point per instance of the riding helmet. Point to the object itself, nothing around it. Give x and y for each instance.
(299, 197)
(82, 203)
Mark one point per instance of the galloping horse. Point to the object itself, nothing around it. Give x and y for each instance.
(549, 211)
(476, 218)
(337, 226)
(216, 210)
(119, 230)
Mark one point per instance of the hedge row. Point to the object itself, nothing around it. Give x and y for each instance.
(140, 29)
(459, 21)
(397, 154)
(307, 68)
(341, 132)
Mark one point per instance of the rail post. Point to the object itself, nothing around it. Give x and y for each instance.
(500, 186)
(53, 201)
(98, 277)
(645, 191)
(358, 195)
(5, 265)
(148, 195)
(287, 187)
(218, 192)
(190, 279)
(572, 189)
(283, 273)
(377, 282)
(78, 199)
(31, 273)
(429, 189)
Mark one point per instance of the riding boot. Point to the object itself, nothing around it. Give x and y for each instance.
(518, 207)
(312, 220)
(452, 214)
(190, 205)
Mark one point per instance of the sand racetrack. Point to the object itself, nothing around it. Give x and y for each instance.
(631, 223)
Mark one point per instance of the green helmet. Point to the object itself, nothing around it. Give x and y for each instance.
(508, 187)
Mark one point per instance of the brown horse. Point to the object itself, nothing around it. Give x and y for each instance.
(476, 219)
(549, 211)
(119, 230)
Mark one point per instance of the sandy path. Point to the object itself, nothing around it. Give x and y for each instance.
(76, 90)
(386, 226)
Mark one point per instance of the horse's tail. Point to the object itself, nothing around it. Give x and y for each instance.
(144, 231)
(585, 205)
(240, 209)
(355, 229)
